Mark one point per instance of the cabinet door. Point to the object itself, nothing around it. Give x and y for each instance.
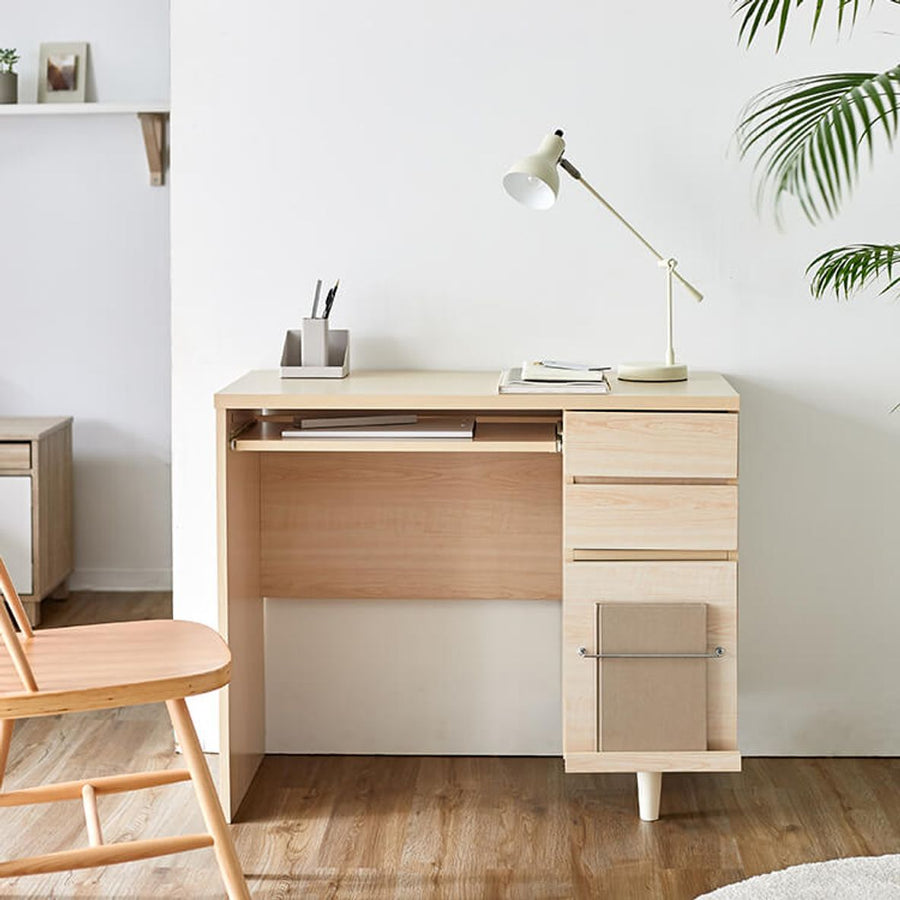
(589, 585)
(15, 529)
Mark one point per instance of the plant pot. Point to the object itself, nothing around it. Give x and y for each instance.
(9, 87)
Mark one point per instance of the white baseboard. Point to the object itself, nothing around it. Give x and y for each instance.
(121, 580)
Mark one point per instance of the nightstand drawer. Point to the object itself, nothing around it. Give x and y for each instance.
(651, 517)
(651, 445)
(15, 455)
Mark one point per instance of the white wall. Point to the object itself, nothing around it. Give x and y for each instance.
(86, 283)
(368, 141)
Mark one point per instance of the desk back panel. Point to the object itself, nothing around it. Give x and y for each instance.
(411, 525)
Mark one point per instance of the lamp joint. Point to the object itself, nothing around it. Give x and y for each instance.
(565, 164)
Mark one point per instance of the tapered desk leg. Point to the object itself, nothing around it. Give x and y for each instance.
(649, 785)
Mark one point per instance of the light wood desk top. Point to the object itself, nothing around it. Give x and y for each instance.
(463, 390)
(30, 428)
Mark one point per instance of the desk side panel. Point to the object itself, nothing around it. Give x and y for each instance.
(242, 707)
(54, 468)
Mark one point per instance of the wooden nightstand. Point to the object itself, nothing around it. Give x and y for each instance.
(36, 507)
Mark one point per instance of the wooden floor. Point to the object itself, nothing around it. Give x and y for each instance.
(436, 827)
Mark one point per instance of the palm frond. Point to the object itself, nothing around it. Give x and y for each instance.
(756, 14)
(845, 270)
(808, 132)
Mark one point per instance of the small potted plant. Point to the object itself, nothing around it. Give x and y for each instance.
(9, 80)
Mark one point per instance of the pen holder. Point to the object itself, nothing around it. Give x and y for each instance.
(315, 342)
(315, 351)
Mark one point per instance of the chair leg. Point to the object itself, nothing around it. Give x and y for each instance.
(229, 865)
(6, 731)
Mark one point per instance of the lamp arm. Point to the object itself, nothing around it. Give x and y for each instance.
(568, 167)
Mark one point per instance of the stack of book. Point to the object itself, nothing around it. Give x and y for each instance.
(551, 377)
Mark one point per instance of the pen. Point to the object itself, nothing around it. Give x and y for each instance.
(329, 300)
(316, 299)
(576, 367)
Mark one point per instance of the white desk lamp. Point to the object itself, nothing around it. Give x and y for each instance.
(534, 182)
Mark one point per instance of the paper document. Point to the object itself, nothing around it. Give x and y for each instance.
(348, 421)
(446, 427)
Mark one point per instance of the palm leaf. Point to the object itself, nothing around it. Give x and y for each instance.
(756, 14)
(848, 269)
(807, 135)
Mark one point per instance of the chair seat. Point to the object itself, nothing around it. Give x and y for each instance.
(116, 664)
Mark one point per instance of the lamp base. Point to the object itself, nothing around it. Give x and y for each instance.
(647, 371)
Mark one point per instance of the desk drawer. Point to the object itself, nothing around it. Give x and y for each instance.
(651, 445)
(15, 455)
(651, 517)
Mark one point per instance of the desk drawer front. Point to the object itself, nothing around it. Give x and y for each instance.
(15, 455)
(651, 517)
(651, 445)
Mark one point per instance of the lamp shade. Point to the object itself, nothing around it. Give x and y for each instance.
(534, 180)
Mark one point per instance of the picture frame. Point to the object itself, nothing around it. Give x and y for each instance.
(62, 73)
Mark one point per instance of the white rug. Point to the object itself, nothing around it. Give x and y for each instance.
(857, 878)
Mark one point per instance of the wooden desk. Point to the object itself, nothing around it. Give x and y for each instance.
(625, 508)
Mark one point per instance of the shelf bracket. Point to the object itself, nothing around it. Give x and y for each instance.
(153, 126)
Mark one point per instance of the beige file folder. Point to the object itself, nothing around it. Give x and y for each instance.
(652, 704)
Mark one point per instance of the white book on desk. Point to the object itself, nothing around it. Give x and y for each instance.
(424, 428)
(511, 382)
(543, 371)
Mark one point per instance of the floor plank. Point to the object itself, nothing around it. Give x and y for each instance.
(434, 828)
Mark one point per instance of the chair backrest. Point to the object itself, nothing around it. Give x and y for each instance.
(11, 640)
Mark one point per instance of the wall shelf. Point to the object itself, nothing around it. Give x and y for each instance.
(153, 118)
(81, 109)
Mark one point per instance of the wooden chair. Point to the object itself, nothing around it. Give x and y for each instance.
(86, 667)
